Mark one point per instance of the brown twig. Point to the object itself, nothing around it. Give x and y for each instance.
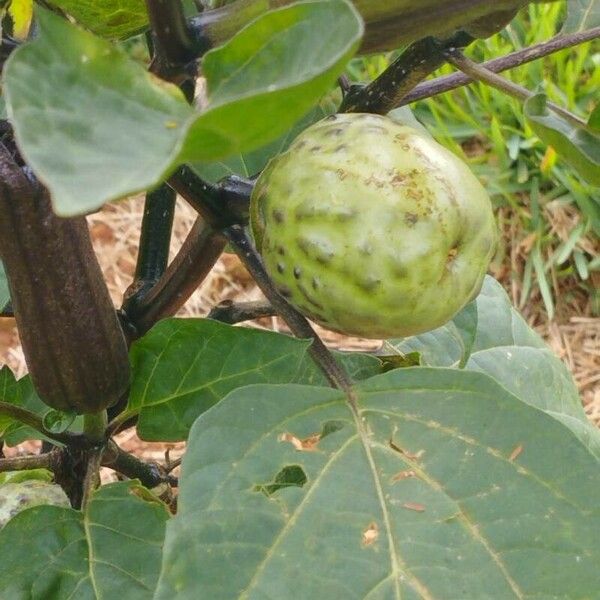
(504, 63)
(480, 73)
(49, 460)
(236, 312)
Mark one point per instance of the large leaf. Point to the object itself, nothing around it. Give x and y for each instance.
(487, 322)
(582, 15)
(20, 393)
(579, 146)
(182, 367)
(4, 291)
(441, 484)
(117, 19)
(93, 124)
(113, 550)
(271, 74)
(507, 349)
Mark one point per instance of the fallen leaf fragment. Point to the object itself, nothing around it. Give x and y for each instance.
(403, 475)
(414, 506)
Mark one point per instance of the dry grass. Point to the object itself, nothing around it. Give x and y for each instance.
(574, 334)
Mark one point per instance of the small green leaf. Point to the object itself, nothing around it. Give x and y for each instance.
(115, 19)
(270, 74)
(111, 550)
(93, 124)
(4, 291)
(437, 477)
(182, 367)
(56, 421)
(28, 475)
(578, 146)
(20, 393)
(582, 15)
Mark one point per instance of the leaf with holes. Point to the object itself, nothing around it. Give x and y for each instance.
(111, 550)
(182, 367)
(116, 19)
(433, 483)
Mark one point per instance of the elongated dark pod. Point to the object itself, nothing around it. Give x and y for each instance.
(72, 340)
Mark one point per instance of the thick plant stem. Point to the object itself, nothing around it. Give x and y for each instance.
(153, 254)
(510, 61)
(171, 35)
(191, 265)
(49, 460)
(94, 428)
(149, 474)
(387, 91)
(92, 475)
(300, 327)
(475, 71)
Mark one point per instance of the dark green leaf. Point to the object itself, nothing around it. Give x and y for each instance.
(270, 75)
(117, 19)
(582, 15)
(578, 146)
(113, 550)
(92, 123)
(182, 367)
(441, 485)
(4, 292)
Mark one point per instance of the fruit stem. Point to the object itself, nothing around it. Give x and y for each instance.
(480, 73)
(300, 327)
(94, 426)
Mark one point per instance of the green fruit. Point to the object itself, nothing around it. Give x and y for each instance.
(16, 497)
(371, 228)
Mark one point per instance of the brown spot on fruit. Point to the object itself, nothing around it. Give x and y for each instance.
(297, 272)
(278, 216)
(280, 267)
(411, 219)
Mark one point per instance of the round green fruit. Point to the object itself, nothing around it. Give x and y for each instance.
(371, 228)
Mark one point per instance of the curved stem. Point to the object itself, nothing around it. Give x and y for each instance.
(189, 268)
(300, 327)
(461, 62)
(504, 63)
(35, 422)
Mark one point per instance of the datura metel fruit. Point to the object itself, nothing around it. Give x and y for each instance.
(371, 228)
